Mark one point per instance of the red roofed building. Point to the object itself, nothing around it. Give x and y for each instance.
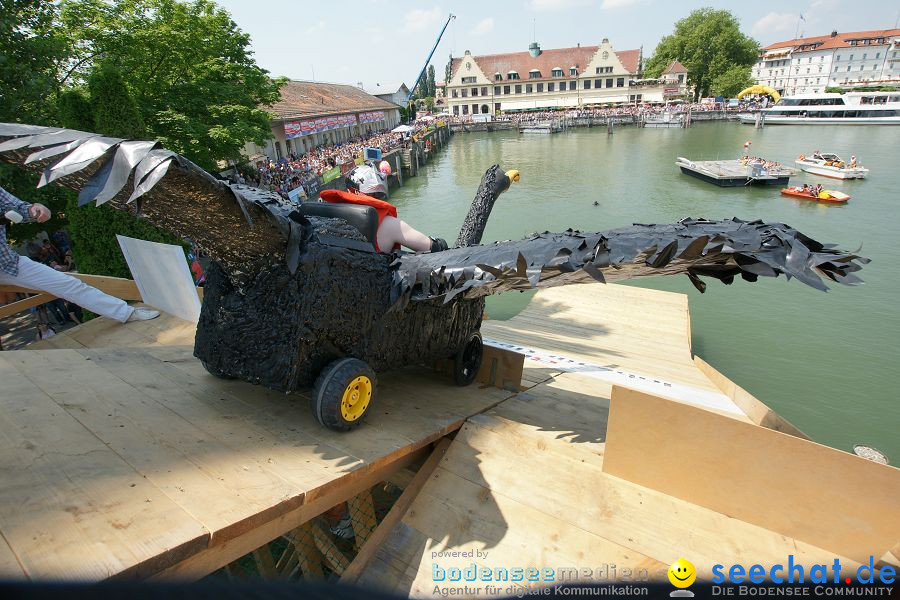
(546, 79)
(808, 65)
(675, 80)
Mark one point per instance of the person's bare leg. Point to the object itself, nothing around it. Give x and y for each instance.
(396, 231)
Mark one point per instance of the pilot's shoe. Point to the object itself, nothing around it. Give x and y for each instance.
(143, 314)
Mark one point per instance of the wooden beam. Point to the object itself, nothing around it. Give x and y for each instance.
(395, 515)
(758, 412)
(262, 556)
(124, 289)
(20, 305)
(308, 556)
(500, 368)
(361, 509)
(337, 560)
(215, 557)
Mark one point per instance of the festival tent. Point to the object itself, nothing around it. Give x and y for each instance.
(402, 129)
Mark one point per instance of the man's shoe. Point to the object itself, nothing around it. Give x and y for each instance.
(143, 314)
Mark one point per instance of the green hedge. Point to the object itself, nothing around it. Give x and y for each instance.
(93, 230)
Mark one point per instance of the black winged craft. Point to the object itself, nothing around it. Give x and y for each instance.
(299, 296)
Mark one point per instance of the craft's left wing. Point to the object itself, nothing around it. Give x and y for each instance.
(239, 226)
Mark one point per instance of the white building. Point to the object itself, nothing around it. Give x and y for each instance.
(546, 79)
(846, 60)
(390, 92)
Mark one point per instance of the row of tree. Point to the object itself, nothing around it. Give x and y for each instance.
(179, 71)
(710, 45)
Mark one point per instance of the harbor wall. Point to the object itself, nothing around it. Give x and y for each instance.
(563, 123)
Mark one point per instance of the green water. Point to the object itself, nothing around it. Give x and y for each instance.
(828, 362)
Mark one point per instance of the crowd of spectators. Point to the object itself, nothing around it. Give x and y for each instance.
(632, 110)
(293, 171)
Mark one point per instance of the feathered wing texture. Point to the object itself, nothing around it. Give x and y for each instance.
(719, 249)
(241, 227)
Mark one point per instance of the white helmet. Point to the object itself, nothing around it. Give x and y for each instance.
(368, 180)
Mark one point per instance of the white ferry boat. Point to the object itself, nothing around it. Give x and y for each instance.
(852, 108)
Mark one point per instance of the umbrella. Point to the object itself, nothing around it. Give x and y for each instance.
(402, 129)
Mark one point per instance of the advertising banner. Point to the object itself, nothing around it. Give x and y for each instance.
(371, 117)
(331, 174)
(294, 129)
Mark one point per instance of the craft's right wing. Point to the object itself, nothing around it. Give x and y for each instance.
(719, 249)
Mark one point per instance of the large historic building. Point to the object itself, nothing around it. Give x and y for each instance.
(811, 64)
(310, 114)
(548, 79)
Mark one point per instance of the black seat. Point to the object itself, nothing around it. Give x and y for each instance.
(364, 218)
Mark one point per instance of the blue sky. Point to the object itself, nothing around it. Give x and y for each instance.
(386, 41)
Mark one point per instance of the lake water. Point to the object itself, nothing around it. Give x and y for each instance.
(828, 362)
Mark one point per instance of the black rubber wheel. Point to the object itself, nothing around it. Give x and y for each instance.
(214, 371)
(343, 393)
(467, 361)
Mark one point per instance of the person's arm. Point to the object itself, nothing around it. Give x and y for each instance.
(9, 202)
(30, 212)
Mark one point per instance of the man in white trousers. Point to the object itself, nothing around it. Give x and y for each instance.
(24, 272)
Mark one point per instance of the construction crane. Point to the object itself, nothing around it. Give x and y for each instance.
(412, 88)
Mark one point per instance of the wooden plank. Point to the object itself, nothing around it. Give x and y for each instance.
(213, 558)
(19, 305)
(10, 568)
(69, 506)
(264, 563)
(196, 470)
(361, 509)
(575, 491)
(758, 412)
(333, 555)
(848, 504)
(394, 516)
(106, 333)
(500, 368)
(308, 556)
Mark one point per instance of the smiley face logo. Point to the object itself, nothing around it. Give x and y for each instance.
(682, 573)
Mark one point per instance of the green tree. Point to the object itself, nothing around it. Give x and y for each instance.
(115, 112)
(75, 109)
(708, 43)
(432, 84)
(448, 71)
(732, 81)
(187, 65)
(31, 52)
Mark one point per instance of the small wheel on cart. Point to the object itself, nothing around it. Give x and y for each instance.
(215, 371)
(342, 393)
(467, 361)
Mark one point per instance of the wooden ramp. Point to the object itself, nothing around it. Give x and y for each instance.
(134, 462)
(525, 485)
(628, 334)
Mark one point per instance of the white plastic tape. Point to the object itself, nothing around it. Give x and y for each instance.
(651, 385)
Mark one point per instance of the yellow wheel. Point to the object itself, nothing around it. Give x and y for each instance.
(356, 398)
(343, 393)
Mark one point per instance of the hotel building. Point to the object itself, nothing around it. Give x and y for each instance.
(548, 79)
(847, 60)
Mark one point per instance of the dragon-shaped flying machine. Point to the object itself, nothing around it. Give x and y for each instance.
(298, 296)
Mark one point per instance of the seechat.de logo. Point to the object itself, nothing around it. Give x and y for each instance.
(682, 574)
